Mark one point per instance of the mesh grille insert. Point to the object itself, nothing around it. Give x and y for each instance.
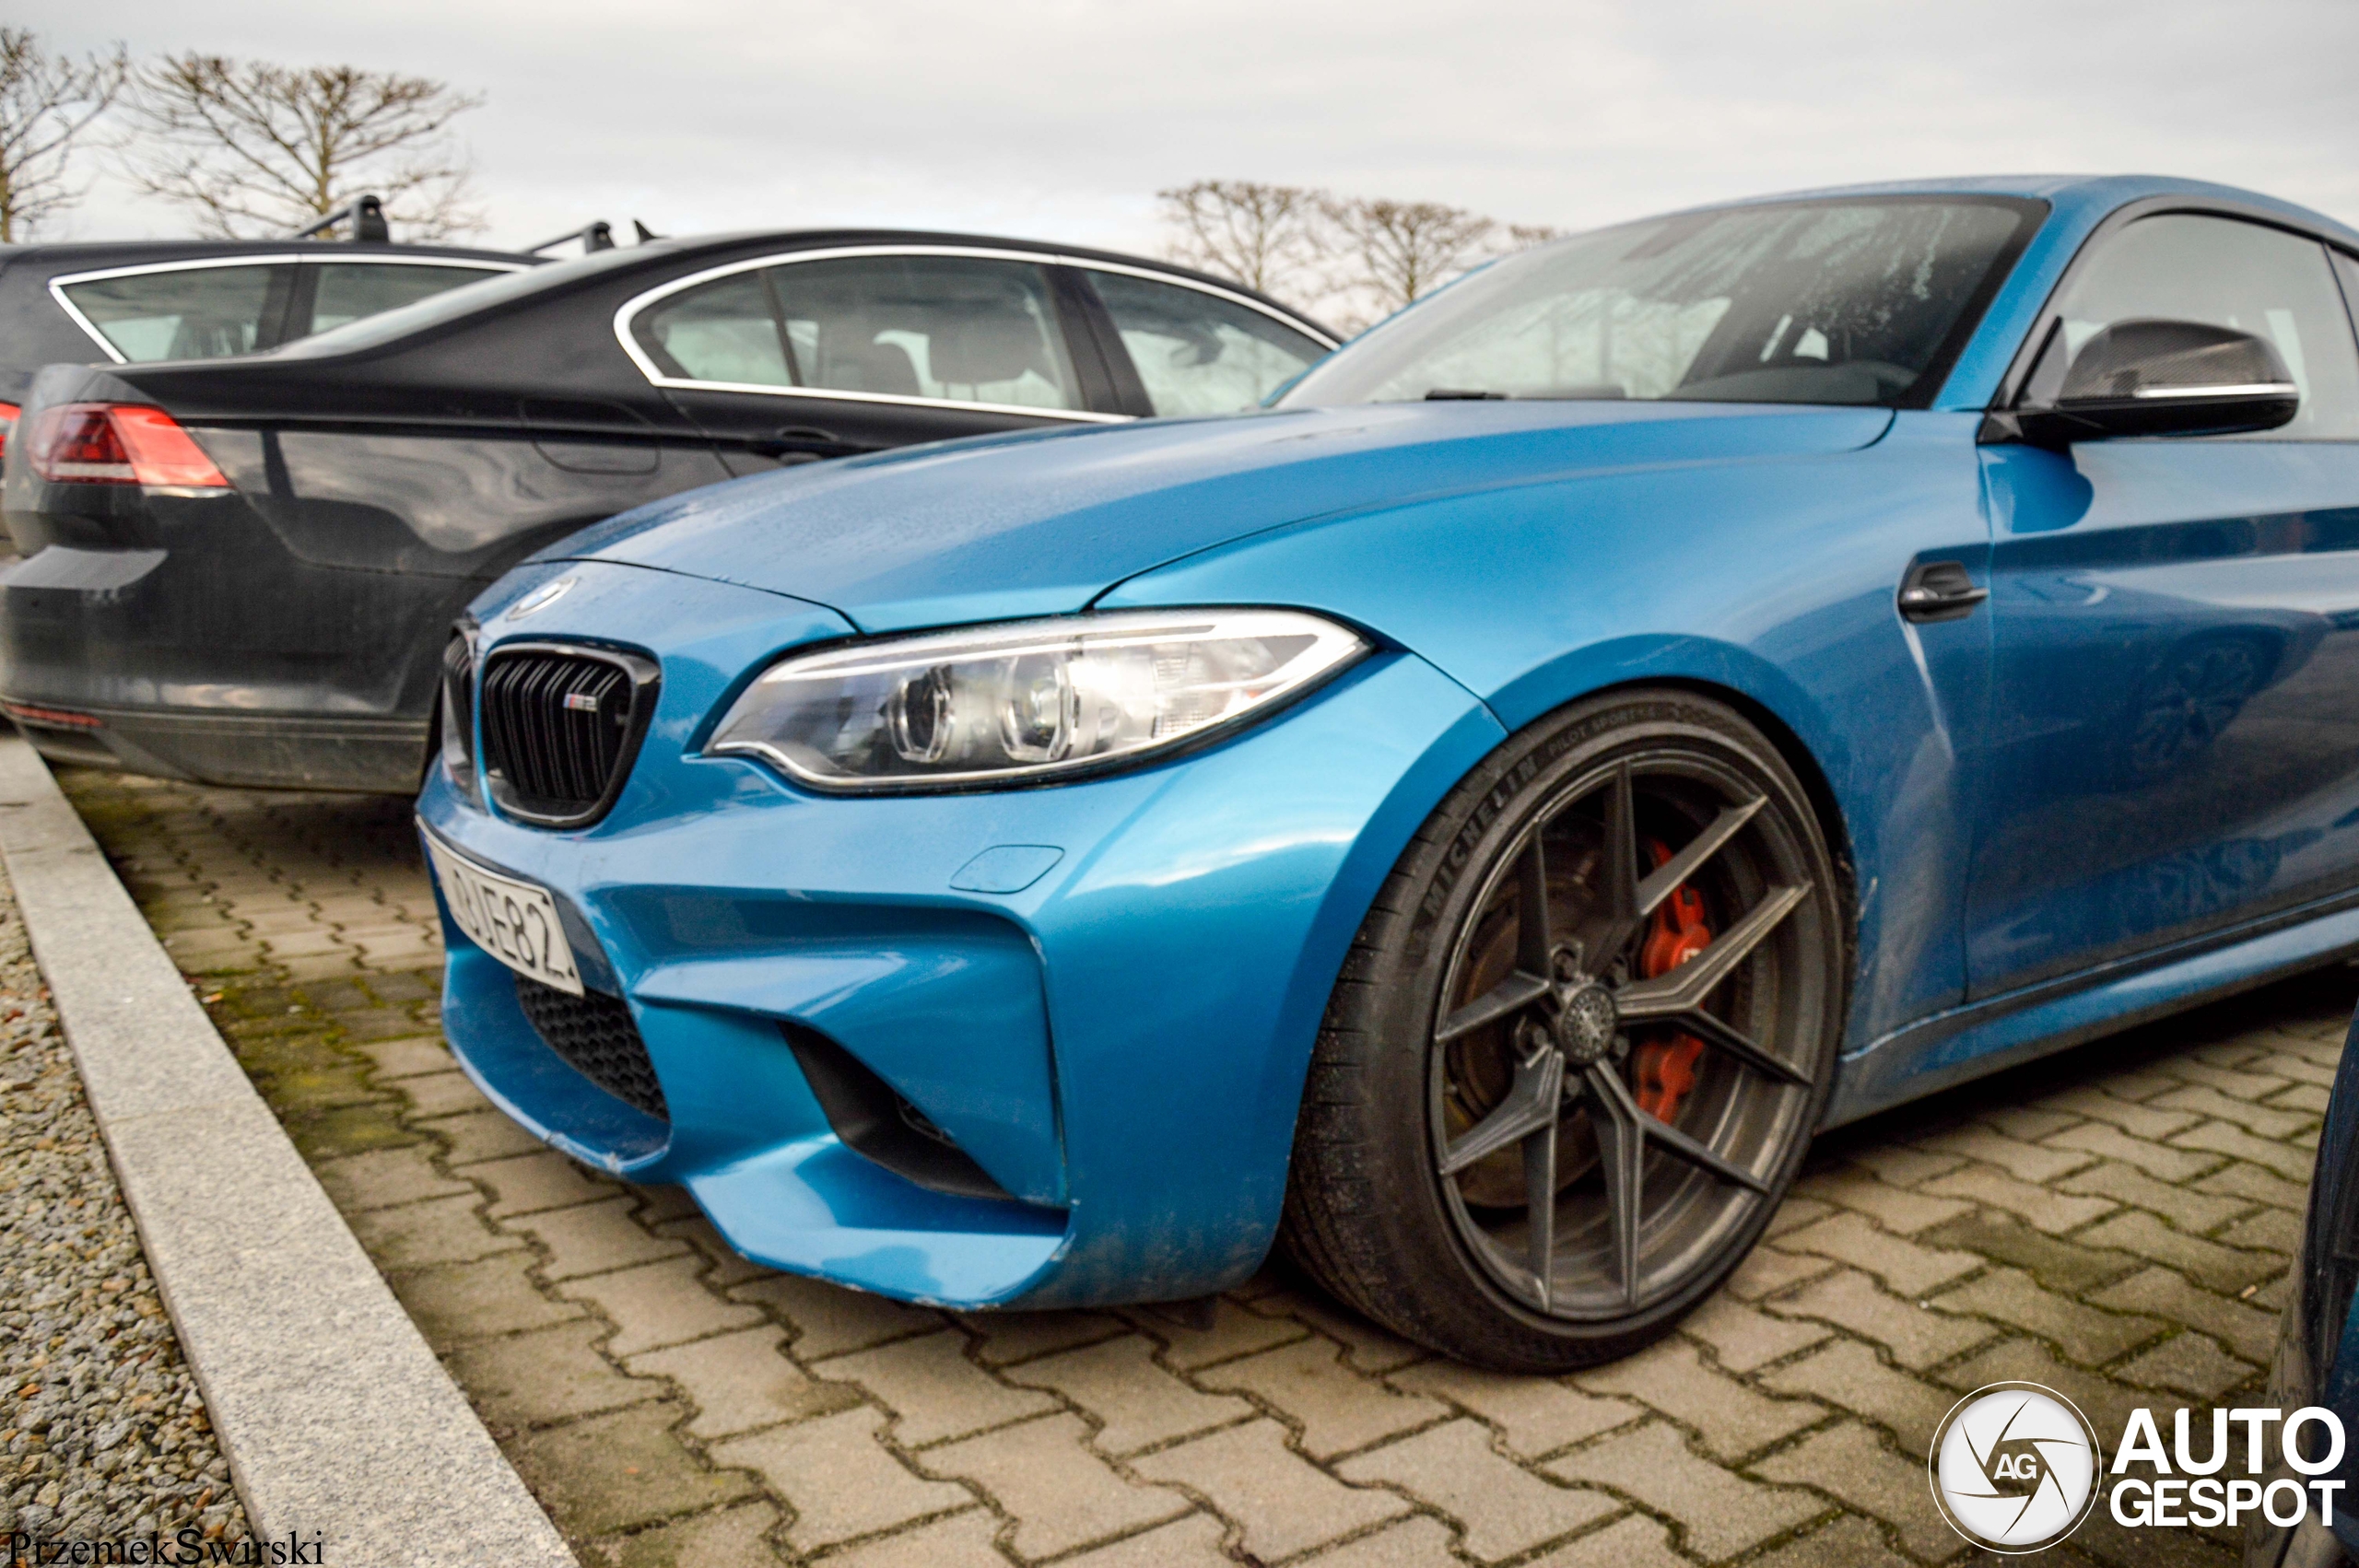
(559, 728)
(596, 1037)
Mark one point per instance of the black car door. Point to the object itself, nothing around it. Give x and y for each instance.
(826, 353)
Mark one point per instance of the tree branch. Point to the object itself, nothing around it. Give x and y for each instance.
(255, 147)
(46, 102)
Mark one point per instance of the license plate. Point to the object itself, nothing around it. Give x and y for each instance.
(515, 921)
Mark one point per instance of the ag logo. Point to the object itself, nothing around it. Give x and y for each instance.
(2015, 1467)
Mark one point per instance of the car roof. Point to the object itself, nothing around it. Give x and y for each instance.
(681, 247)
(94, 255)
(813, 238)
(2082, 197)
(617, 265)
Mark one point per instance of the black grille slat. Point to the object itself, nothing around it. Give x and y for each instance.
(458, 738)
(541, 760)
(538, 764)
(551, 762)
(590, 768)
(596, 1035)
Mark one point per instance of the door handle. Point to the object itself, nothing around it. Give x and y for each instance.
(1939, 590)
(806, 442)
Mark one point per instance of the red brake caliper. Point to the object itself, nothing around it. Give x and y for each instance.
(1675, 933)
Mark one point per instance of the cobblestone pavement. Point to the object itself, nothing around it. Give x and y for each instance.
(102, 1433)
(2114, 1224)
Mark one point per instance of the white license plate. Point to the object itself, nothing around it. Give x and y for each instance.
(515, 921)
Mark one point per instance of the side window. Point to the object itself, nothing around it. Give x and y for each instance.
(2181, 266)
(1198, 353)
(345, 291)
(724, 330)
(959, 328)
(184, 312)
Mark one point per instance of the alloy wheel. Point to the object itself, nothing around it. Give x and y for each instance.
(1613, 1086)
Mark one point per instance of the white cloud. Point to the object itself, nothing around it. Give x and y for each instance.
(1060, 118)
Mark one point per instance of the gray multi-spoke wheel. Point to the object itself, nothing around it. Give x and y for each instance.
(1581, 1041)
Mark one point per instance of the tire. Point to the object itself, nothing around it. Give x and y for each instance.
(1473, 1059)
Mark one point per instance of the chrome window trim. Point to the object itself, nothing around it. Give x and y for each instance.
(631, 308)
(57, 285)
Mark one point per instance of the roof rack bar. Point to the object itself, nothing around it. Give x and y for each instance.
(367, 215)
(598, 236)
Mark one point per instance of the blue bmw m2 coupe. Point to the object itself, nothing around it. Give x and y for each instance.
(1470, 822)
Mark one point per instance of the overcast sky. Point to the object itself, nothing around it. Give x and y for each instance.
(1061, 118)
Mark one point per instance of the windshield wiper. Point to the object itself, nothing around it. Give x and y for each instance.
(1600, 392)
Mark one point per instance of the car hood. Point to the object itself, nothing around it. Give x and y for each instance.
(1043, 522)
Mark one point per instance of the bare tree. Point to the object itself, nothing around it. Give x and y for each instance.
(258, 148)
(1266, 237)
(1354, 259)
(1399, 251)
(46, 102)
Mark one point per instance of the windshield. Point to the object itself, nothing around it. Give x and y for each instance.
(1863, 301)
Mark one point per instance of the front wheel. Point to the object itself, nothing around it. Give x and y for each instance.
(1580, 1043)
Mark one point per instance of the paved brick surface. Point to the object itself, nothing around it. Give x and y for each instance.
(2114, 1224)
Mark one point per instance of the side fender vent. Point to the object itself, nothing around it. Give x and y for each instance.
(874, 1120)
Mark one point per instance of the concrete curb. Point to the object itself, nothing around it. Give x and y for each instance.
(335, 1416)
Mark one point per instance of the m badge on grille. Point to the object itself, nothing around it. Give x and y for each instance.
(582, 702)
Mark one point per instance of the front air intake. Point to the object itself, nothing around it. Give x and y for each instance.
(596, 1035)
(560, 726)
(874, 1120)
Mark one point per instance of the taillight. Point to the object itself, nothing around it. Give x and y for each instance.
(64, 718)
(8, 412)
(119, 443)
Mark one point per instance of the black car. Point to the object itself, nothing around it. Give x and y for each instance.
(243, 571)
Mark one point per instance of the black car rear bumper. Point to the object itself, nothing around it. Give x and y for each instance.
(223, 664)
(270, 750)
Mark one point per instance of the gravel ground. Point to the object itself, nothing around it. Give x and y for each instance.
(102, 1434)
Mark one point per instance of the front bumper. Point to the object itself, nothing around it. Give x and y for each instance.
(1119, 1042)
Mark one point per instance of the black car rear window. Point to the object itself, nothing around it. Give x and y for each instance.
(497, 293)
(180, 312)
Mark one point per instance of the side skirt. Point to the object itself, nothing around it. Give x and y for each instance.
(2001, 1031)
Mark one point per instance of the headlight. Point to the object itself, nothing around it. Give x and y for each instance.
(1026, 699)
